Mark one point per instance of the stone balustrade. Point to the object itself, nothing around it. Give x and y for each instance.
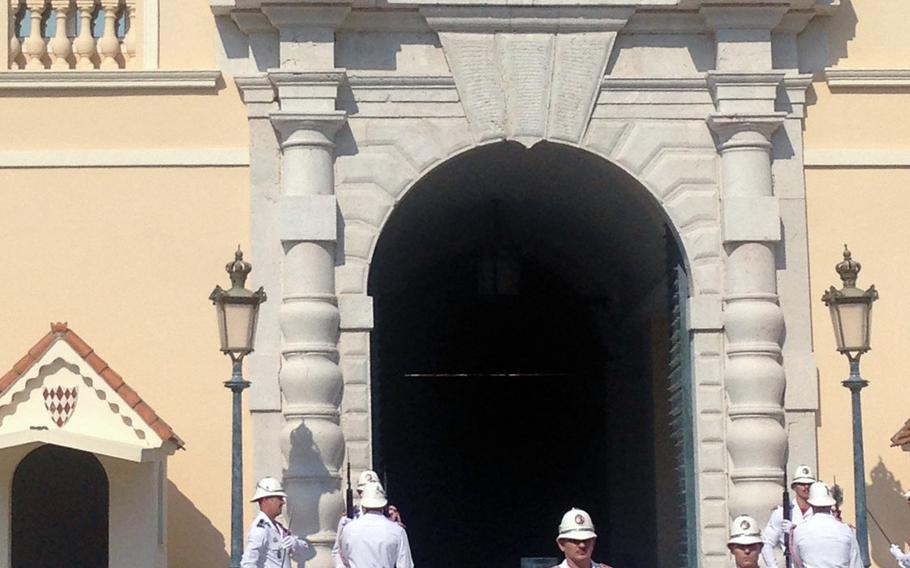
(73, 34)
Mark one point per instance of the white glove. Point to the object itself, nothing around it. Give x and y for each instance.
(291, 542)
(344, 521)
(786, 526)
(898, 554)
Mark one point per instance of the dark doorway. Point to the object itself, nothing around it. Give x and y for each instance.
(59, 510)
(520, 360)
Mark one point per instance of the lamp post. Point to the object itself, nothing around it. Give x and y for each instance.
(237, 310)
(851, 313)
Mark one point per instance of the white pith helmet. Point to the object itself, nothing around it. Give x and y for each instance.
(576, 525)
(373, 496)
(820, 495)
(744, 530)
(368, 476)
(803, 474)
(268, 487)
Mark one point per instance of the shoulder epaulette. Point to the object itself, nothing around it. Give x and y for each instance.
(262, 524)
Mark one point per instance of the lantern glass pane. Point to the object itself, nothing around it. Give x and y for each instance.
(219, 314)
(238, 319)
(853, 323)
(835, 320)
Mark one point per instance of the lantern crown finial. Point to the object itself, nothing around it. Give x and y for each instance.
(238, 269)
(848, 269)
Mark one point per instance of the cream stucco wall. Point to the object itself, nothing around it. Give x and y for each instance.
(128, 257)
(866, 208)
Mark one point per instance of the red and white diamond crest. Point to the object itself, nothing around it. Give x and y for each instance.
(60, 403)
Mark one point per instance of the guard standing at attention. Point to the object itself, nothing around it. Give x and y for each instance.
(745, 542)
(368, 476)
(372, 540)
(576, 540)
(269, 544)
(778, 526)
(823, 541)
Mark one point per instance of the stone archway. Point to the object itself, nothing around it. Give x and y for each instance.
(60, 510)
(338, 139)
(519, 358)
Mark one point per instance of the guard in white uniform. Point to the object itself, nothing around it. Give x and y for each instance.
(372, 540)
(269, 544)
(576, 540)
(823, 541)
(800, 511)
(903, 559)
(368, 476)
(745, 542)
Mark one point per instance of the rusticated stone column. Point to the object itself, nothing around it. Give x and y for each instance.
(745, 89)
(753, 320)
(312, 442)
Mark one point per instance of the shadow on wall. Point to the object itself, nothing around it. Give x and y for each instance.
(311, 473)
(192, 539)
(841, 29)
(887, 505)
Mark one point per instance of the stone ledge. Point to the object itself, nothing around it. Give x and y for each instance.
(108, 80)
(857, 158)
(868, 78)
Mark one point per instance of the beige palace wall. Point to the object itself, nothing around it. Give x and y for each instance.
(858, 156)
(129, 255)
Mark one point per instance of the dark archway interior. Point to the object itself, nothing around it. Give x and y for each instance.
(519, 360)
(59, 510)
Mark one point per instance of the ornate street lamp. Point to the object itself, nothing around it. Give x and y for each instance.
(851, 314)
(238, 310)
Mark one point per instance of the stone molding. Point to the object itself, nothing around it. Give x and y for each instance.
(136, 158)
(898, 79)
(856, 158)
(138, 80)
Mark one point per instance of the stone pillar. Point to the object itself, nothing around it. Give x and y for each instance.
(745, 89)
(312, 442)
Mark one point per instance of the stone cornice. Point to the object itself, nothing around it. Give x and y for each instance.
(108, 80)
(744, 17)
(868, 78)
(756, 128)
(307, 129)
(524, 19)
(384, 79)
(693, 83)
(255, 88)
(307, 15)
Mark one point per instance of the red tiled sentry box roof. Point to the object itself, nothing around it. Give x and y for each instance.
(902, 438)
(60, 331)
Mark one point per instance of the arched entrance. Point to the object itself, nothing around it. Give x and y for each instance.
(521, 360)
(59, 510)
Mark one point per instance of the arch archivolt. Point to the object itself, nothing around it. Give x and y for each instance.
(675, 160)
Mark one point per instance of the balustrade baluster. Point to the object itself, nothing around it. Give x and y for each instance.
(130, 42)
(60, 46)
(109, 43)
(15, 46)
(84, 44)
(34, 46)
